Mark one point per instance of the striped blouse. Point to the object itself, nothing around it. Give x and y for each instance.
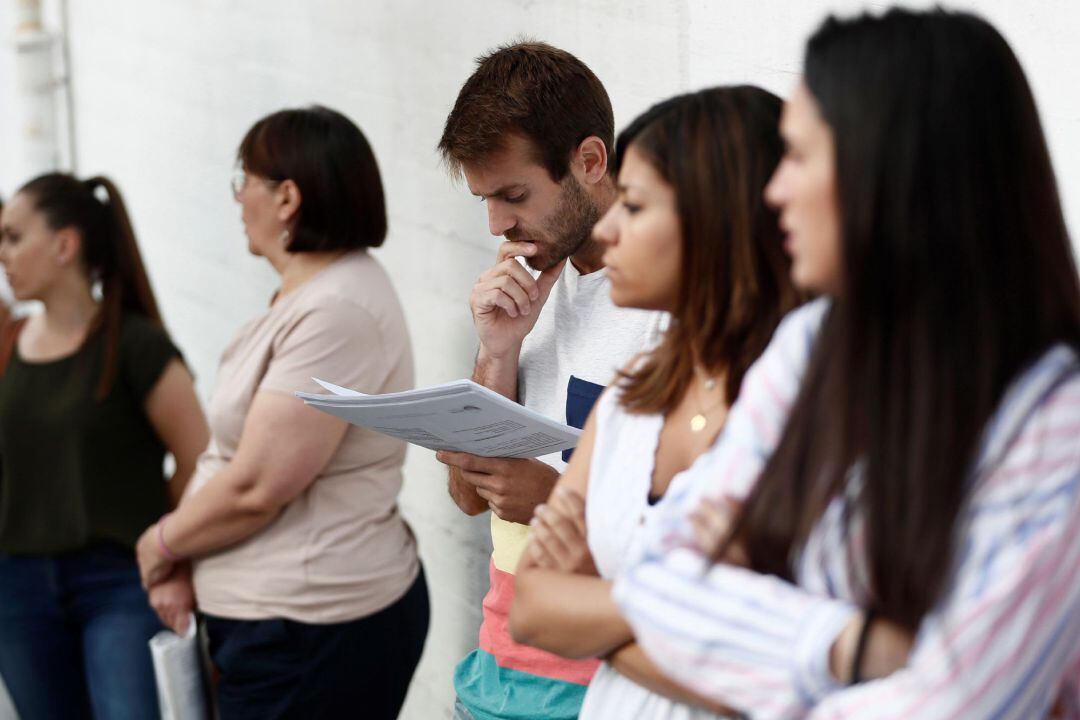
(1003, 641)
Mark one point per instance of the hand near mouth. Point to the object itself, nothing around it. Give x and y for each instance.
(506, 299)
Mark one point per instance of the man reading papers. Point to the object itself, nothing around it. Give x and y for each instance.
(532, 131)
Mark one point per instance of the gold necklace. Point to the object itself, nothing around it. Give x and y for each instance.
(699, 422)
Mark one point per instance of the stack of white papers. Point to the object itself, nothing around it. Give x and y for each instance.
(461, 416)
(178, 672)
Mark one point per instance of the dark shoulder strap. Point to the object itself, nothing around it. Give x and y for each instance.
(9, 335)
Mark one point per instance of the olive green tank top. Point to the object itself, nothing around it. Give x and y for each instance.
(75, 470)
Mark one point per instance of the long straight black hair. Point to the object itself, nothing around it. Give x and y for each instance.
(110, 254)
(958, 272)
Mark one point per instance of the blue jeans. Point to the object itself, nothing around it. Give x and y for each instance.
(74, 629)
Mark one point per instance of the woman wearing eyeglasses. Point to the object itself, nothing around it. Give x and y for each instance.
(306, 573)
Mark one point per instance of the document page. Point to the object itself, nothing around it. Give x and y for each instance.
(178, 673)
(461, 416)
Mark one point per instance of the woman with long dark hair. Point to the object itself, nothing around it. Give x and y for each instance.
(93, 393)
(690, 235)
(903, 458)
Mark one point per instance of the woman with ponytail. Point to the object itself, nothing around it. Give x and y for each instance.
(93, 393)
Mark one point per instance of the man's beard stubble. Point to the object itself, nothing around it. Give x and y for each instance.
(566, 229)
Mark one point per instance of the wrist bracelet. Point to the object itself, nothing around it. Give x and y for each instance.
(161, 540)
(860, 647)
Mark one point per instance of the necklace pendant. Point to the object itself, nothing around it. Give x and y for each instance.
(698, 423)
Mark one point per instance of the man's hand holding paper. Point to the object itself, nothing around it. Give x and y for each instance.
(512, 487)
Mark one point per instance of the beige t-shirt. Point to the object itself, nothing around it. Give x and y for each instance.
(340, 550)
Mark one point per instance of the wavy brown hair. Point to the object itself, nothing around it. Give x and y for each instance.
(717, 149)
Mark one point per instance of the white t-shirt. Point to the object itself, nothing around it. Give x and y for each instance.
(579, 334)
(616, 506)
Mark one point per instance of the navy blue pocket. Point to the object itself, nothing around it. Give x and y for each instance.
(581, 395)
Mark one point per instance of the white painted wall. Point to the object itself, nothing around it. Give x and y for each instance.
(165, 90)
(7, 100)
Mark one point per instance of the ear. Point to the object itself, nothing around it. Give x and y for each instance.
(288, 200)
(68, 245)
(591, 160)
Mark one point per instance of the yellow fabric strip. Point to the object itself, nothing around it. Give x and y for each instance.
(508, 541)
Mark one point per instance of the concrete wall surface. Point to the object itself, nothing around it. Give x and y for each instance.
(163, 91)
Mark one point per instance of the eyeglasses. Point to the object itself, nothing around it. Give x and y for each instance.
(239, 181)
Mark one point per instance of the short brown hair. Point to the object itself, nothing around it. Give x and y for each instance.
(717, 148)
(329, 159)
(541, 92)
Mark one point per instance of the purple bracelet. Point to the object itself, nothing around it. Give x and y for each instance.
(161, 540)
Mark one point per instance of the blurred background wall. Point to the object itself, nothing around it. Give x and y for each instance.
(160, 93)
